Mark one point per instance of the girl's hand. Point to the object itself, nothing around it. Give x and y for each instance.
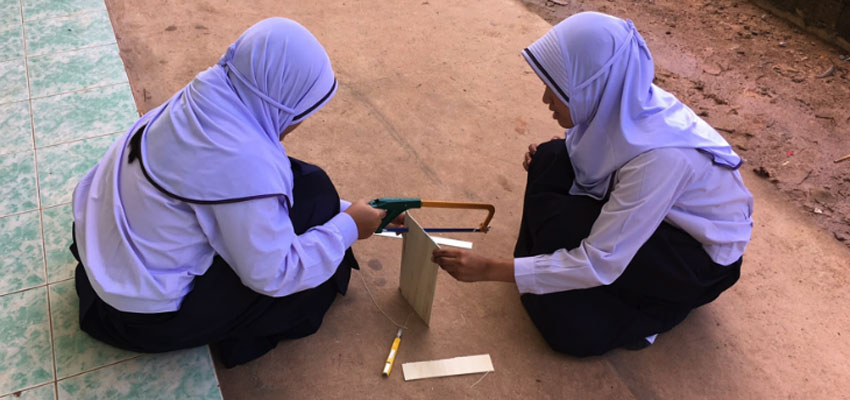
(366, 217)
(532, 149)
(463, 265)
(398, 222)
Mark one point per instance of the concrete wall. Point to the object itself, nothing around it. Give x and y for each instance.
(829, 19)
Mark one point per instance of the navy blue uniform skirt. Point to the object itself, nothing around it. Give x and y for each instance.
(669, 276)
(219, 310)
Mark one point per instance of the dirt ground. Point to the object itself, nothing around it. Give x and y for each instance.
(779, 95)
(436, 102)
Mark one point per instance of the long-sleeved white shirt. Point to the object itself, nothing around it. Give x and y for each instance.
(677, 185)
(142, 249)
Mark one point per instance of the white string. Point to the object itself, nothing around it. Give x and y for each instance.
(362, 279)
(480, 379)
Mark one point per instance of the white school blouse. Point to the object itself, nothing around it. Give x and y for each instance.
(679, 186)
(142, 249)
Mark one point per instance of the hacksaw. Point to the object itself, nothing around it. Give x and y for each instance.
(397, 205)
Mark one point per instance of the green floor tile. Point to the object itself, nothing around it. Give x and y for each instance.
(46, 392)
(61, 167)
(83, 114)
(15, 127)
(69, 33)
(75, 70)
(11, 42)
(10, 12)
(25, 358)
(185, 374)
(13, 74)
(57, 239)
(75, 350)
(17, 183)
(40, 9)
(21, 262)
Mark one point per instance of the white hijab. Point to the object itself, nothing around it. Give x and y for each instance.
(601, 68)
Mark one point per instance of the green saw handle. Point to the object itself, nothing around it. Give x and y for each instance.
(394, 206)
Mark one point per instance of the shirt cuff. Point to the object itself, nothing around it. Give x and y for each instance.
(524, 274)
(343, 205)
(346, 227)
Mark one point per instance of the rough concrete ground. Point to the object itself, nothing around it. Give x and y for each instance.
(436, 102)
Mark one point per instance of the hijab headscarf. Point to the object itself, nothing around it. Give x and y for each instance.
(218, 139)
(601, 68)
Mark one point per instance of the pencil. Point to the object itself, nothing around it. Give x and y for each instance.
(388, 367)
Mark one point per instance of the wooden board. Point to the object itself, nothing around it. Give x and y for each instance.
(418, 278)
(447, 367)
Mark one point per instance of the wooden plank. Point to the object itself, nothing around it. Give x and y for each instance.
(418, 278)
(447, 367)
(440, 241)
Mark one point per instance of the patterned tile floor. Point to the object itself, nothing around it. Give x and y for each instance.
(64, 98)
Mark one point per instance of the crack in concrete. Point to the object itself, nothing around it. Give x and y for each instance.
(393, 132)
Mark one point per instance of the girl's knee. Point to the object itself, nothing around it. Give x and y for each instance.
(577, 342)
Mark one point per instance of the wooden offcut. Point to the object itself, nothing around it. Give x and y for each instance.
(418, 278)
(440, 241)
(447, 367)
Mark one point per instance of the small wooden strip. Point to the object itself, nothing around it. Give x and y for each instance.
(461, 244)
(447, 367)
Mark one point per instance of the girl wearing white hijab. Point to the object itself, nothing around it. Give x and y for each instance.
(636, 218)
(196, 228)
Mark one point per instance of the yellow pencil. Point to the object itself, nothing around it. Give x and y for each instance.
(393, 351)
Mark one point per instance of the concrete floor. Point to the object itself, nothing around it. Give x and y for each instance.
(436, 102)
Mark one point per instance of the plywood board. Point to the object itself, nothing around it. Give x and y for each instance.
(418, 278)
(447, 367)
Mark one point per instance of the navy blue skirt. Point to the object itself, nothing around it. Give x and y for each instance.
(240, 323)
(669, 276)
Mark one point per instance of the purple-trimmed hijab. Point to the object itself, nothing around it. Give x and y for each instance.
(601, 68)
(218, 139)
